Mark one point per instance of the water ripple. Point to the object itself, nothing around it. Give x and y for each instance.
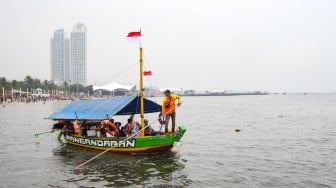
(285, 141)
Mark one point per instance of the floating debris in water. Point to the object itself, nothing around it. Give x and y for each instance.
(237, 130)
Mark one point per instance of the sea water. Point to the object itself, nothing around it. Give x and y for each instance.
(284, 141)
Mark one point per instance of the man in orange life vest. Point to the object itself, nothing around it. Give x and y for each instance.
(168, 108)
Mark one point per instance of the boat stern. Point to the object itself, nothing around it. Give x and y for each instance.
(182, 129)
(180, 132)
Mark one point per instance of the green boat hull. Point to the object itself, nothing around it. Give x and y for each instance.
(147, 144)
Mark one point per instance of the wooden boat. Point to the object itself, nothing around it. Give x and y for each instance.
(97, 110)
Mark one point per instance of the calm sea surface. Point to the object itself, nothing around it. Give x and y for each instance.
(285, 141)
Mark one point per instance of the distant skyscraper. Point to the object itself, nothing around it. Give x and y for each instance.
(78, 62)
(58, 57)
(68, 56)
(67, 60)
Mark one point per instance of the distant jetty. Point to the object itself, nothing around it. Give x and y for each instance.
(226, 93)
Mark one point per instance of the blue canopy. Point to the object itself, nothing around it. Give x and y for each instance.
(99, 109)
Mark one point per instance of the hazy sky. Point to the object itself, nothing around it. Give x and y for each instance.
(268, 45)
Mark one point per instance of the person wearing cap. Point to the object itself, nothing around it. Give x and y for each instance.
(168, 108)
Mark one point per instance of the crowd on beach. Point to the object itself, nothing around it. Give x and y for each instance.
(30, 98)
(33, 98)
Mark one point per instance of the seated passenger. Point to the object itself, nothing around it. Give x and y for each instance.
(77, 127)
(112, 121)
(128, 127)
(85, 128)
(102, 132)
(59, 125)
(136, 129)
(113, 126)
(149, 131)
(122, 132)
(105, 125)
(69, 128)
(118, 125)
(132, 127)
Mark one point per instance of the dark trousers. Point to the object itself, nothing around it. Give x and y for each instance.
(168, 116)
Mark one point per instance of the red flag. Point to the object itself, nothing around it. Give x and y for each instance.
(148, 74)
(134, 36)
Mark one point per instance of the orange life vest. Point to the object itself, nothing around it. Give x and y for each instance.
(168, 105)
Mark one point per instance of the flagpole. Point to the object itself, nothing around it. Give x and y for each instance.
(142, 110)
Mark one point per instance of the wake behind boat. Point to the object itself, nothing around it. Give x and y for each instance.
(86, 123)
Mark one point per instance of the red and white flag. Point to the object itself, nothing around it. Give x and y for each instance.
(148, 74)
(134, 36)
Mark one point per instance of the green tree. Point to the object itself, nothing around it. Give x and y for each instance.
(4, 83)
(15, 84)
(28, 82)
(37, 83)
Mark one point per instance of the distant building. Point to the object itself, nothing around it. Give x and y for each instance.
(67, 60)
(78, 58)
(115, 89)
(58, 57)
(178, 91)
(68, 56)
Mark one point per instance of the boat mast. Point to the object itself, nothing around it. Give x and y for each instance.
(141, 94)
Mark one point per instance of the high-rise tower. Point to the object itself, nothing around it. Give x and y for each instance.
(58, 57)
(78, 58)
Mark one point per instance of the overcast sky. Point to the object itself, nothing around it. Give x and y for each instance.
(268, 45)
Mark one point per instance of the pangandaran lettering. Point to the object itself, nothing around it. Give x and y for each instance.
(102, 143)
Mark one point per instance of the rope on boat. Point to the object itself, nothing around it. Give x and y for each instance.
(133, 135)
(149, 80)
(121, 72)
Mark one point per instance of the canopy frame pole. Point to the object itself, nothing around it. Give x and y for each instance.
(142, 110)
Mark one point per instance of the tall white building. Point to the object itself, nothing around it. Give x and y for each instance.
(78, 59)
(67, 60)
(68, 56)
(58, 56)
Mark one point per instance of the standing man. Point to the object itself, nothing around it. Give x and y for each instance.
(168, 108)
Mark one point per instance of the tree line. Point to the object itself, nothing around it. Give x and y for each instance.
(33, 83)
